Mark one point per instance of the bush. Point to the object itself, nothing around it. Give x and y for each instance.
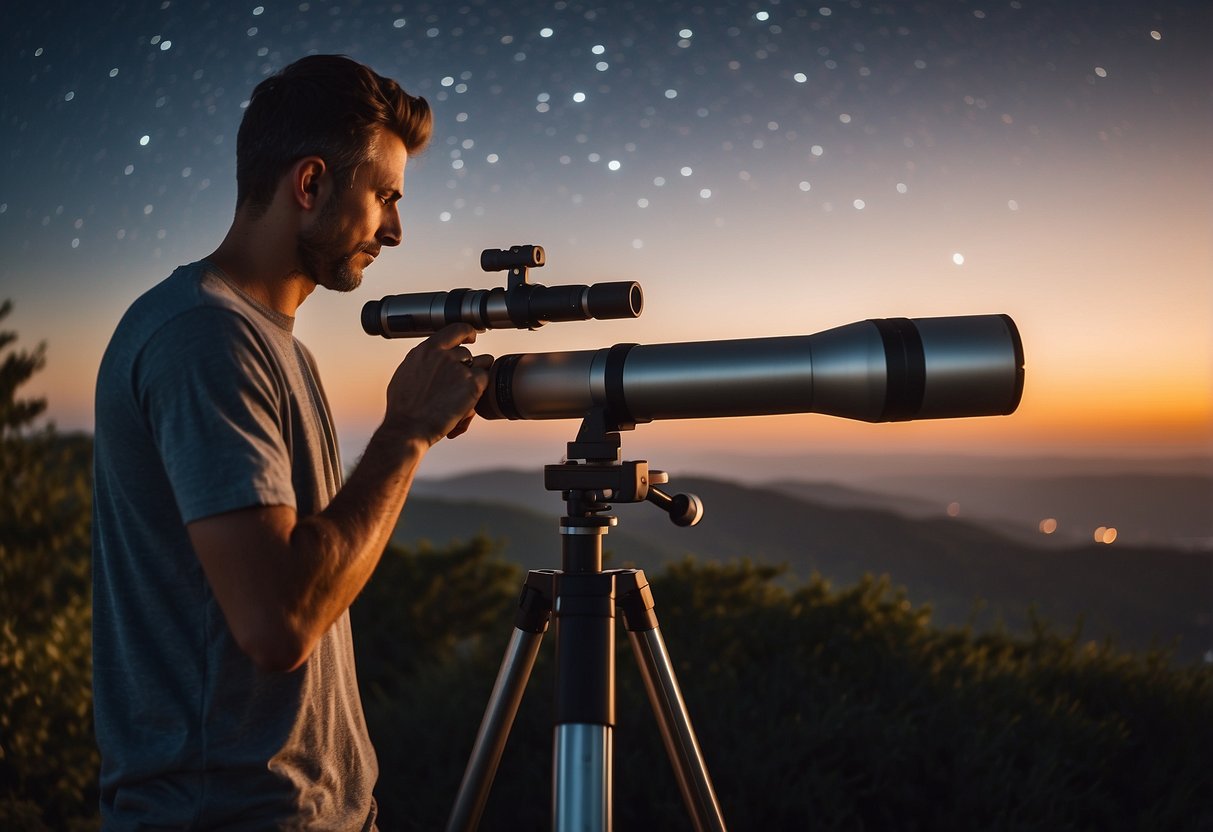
(48, 762)
(839, 710)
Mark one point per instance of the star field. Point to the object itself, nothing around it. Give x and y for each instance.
(758, 166)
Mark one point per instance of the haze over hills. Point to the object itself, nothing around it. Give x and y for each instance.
(970, 571)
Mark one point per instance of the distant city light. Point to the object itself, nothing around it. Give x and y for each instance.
(1048, 525)
(953, 509)
(1105, 535)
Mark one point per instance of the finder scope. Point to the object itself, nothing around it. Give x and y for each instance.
(884, 370)
(521, 305)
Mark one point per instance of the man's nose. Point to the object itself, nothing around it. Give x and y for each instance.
(390, 233)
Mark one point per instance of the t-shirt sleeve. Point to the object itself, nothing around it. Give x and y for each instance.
(217, 407)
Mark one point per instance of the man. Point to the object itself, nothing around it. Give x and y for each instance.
(227, 551)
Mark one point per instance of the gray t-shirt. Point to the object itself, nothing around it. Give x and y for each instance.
(206, 403)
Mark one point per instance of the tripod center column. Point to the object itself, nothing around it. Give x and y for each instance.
(585, 682)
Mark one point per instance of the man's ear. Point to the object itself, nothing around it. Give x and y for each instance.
(307, 179)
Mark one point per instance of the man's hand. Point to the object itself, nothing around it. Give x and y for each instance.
(435, 389)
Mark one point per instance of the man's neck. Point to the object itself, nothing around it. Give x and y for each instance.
(260, 259)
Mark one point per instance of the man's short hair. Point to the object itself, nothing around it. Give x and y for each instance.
(322, 105)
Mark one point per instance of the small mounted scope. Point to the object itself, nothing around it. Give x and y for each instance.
(521, 305)
(514, 257)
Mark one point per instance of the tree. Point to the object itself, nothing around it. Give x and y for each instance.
(48, 757)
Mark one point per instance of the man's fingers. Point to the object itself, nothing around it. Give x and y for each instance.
(462, 427)
(482, 362)
(452, 335)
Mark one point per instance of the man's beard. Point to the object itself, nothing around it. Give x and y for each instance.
(317, 249)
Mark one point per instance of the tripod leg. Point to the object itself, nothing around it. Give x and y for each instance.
(534, 610)
(657, 671)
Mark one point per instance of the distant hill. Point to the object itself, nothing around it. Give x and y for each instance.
(1145, 508)
(1139, 595)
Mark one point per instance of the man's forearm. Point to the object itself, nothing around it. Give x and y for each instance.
(339, 548)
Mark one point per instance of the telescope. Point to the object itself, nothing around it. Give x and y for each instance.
(521, 305)
(879, 370)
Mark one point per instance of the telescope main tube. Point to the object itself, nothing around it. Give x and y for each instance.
(883, 370)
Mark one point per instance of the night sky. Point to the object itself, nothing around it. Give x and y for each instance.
(762, 168)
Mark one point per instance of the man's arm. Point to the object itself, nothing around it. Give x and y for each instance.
(282, 580)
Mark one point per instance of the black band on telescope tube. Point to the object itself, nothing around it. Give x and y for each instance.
(453, 308)
(503, 385)
(518, 306)
(907, 369)
(616, 401)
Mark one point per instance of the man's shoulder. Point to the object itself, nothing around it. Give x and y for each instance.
(175, 294)
(171, 319)
(193, 295)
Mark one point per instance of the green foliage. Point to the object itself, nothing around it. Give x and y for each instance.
(835, 710)
(48, 762)
(422, 606)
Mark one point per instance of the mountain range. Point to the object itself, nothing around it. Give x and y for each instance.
(981, 568)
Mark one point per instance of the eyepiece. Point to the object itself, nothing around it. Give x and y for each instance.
(371, 324)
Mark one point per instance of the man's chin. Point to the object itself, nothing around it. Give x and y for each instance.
(345, 279)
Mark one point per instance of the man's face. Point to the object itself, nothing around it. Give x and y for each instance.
(353, 223)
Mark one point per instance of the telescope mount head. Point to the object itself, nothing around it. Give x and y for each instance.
(593, 475)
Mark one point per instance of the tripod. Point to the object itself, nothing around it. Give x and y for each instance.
(584, 597)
